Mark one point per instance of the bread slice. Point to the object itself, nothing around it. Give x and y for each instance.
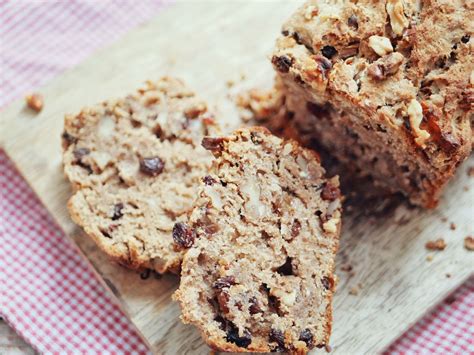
(135, 165)
(386, 86)
(259, 271)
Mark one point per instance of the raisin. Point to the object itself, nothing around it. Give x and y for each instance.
(212, 144)
(277, 336)
(152, 166)
(307, 337)
(233, 336)
(327, 282)
(465, 38)
(295, 228)
(254, 307)
(317, 110)
(282, 63)
(79, 153)
(329, 51)
(209, 180)
(353, 22)
(222, 322)
(145, 274)
(287, 268)
(194, 112)
(223, 299)
(285, 33)
(68, 139)
(224, 282)
(183, 235)
(323, 63)
(118, 211)
(330, 192)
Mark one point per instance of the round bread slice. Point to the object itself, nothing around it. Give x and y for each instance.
(135, 165)
(258, 274)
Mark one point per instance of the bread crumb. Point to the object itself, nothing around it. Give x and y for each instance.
(452, 226)
(444, 219)
(448, 275)
(469, 243)
(230, 83)
(465, 188)
(470, 171)
(328, 348)
(346, 268)
(354, 291)
(429, 257)
(35, 102)
(438, 244)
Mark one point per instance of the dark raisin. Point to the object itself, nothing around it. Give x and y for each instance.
(278, 337)
(287, 268)
(79, 153)
(233, 336)
(105, 233)
(223, 299)
(152, 166)
(68, 139)
(307, 337)
(183, 235)
(290, 115)
(353, 22)
(224, 282)
(222, 322)
(296, 36)
(145, 274)
(209, 180)
(330, 192)
(327, 282)
(323, 63)
(212, 144)
(317, 110)
(329, 51)
(320, 346)
(299, 80)
(295, 228)
(254, 307)
(282, 63)
(465, 38)
(285, 33)
(118, 211)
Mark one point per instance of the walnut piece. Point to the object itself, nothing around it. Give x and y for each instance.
(398, 20)
(35, 102)
(415, 113)
(385, 66)
(380, 45)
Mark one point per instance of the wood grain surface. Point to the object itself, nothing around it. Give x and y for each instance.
(207, 44)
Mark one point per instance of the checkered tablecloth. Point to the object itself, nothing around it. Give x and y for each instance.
(48, 293)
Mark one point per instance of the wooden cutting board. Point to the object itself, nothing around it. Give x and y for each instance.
(207, 44)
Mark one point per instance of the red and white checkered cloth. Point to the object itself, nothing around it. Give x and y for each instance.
(48, 293)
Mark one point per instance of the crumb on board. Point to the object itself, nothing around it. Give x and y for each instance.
(35, 101)
(438, 244)
(444, 219)
(469, 243)
(346, 268)
(429, 257)
(470, 171)
(465, 188)
(328, 348)
(452, 226)
(448, 275)
(354, 291)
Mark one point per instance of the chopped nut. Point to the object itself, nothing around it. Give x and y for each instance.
(438, 244)
(415, 114)
(398, 19)
(385, 66)
(349, 51)
(223, 299)
(469, 243)
(331, 225)
(380, 45)
(195, 111)
(287, 298)
(152, 166)
(35, 102)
